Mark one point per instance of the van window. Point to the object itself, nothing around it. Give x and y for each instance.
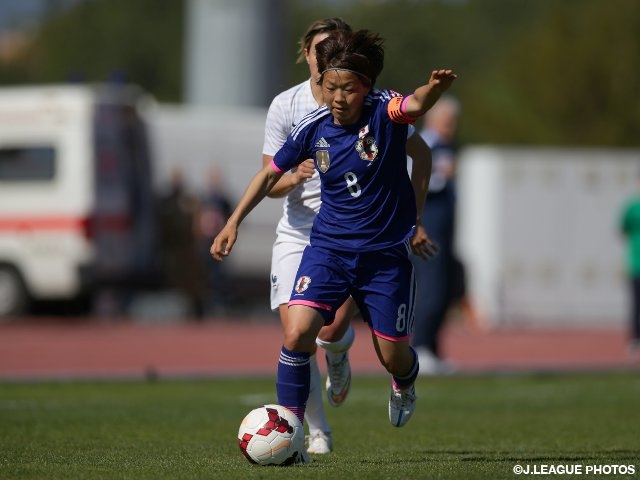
(27, 163)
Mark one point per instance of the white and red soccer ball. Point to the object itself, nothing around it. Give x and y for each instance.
(271, 435)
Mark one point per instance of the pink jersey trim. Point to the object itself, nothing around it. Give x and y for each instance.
(387, 337)
(276, 168)
(308, 303)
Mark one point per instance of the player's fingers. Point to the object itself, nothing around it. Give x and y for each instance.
(215, 251)
(221, 247)
(430, 249)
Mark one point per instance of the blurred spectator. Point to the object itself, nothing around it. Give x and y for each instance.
(435, 278)
(181, 266)
(215, 209)
(630, 228)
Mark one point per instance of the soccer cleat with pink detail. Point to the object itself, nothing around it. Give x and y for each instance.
(338, 379)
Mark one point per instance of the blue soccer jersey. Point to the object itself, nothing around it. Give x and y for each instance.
(368, 201)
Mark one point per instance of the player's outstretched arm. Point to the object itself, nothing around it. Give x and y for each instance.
(425, 96)
(258, 188)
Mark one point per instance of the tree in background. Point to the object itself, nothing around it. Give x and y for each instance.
(99, 40)
(554, 72)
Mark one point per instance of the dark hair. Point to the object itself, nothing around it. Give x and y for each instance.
(361, 52)
(326, 25)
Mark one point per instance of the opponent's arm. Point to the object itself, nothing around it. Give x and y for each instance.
(258, 188)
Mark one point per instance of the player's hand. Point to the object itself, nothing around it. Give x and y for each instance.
(304, 171)
(441, 80)
(421, 244)
(223, 243)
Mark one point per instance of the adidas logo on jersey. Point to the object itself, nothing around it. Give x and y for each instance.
(322, 143)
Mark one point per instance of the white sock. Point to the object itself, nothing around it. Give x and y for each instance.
(314, 413)
(336, 350)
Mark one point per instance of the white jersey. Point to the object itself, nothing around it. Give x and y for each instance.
(301, 204)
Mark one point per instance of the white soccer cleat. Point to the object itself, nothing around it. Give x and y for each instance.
(338, 379)
(319, 443)
(402, 403)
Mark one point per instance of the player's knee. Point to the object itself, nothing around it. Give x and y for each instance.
(300, 337)
(294, 340)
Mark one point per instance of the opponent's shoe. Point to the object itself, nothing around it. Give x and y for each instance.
(338, 379)
(402, 403)
(319, 443)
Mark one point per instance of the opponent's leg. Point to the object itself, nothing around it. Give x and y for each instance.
(336, 339)
(320, 440)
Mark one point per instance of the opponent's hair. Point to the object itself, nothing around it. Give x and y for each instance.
(360, 52)
(326, 25)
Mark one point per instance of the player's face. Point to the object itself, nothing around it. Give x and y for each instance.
(344, 94)
(310, 55)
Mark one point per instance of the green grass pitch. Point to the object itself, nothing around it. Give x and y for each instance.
(465, 427)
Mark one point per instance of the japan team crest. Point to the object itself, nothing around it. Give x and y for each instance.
(322, 160)
(302, 284)
(366, 146)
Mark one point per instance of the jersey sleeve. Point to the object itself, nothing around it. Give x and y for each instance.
(277, 127)
(290, 155)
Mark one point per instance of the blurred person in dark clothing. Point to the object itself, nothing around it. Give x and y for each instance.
(436, 278)
(214, 211)
(181, 267)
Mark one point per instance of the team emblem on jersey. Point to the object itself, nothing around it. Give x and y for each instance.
(302, 284)
(322, 160)
(367, 148)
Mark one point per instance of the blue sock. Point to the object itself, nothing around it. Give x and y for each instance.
(293, 381)
(402, 383)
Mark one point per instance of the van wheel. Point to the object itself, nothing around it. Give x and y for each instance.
(13, 295)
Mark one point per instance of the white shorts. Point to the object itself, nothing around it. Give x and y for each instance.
(285, 260)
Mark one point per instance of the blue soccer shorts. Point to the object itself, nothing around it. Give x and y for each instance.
(381, 282)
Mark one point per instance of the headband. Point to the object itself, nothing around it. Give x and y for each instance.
(345, 70)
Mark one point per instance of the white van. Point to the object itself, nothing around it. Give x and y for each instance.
(76, 201)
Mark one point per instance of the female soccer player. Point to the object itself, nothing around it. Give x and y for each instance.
(302, 202)
(301, 190)
(360, 238)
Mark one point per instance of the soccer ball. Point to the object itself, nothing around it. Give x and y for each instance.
(271, 435)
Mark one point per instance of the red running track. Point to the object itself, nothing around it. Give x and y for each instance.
(46, 349)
